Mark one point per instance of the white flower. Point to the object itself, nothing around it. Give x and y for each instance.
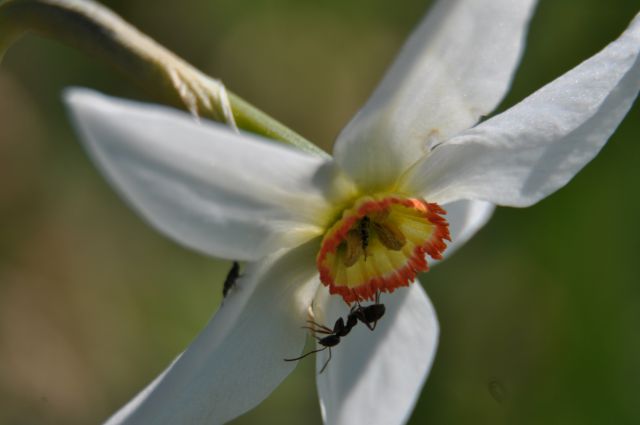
(365, 218)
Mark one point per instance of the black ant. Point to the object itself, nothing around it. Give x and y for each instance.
(230, 280)
(368, 315)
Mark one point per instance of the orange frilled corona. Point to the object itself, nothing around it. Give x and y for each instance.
(380, 244)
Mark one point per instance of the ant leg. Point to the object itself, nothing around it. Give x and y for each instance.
(326, 363)
(305, 355)
(370, 326)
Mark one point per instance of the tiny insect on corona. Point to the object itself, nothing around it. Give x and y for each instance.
(365, 222)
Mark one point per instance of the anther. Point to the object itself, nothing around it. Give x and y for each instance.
(353, 248)
(389, 235)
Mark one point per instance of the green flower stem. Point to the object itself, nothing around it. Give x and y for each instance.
(96, 30)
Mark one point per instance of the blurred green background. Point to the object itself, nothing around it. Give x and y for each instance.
(540, 313)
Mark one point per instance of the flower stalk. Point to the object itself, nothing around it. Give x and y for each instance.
(97, 31)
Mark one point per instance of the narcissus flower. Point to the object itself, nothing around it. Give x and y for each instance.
(410, 175)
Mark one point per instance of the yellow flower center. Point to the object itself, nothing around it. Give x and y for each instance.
(380, 244)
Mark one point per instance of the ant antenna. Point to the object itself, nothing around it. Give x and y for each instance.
(326, 342)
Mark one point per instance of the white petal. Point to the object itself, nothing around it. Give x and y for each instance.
(465, 218)
(456, 66)
(224, 194)
(375, 377)
(536, 147)
(238, 359)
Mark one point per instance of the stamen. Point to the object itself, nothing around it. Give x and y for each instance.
(390, 236)
(354, 248)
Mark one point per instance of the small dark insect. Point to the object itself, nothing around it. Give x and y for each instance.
(369, 315)
(230, 280)
(363, 229)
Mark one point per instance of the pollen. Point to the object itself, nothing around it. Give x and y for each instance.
(380, 244)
